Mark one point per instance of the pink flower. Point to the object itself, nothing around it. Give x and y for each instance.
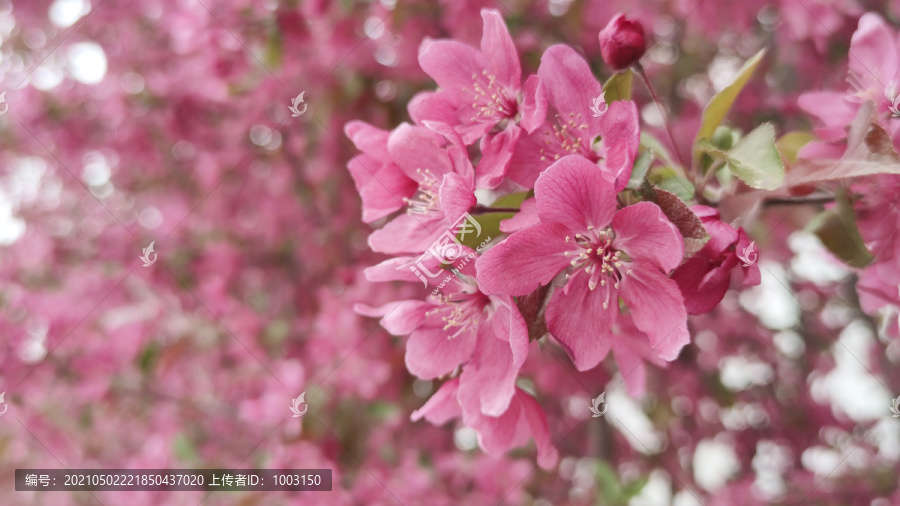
(378, 180)
(571, 89)
(523, 420)
(460, 326)
(605, 254)
(704, 278)
(874, 74)
(622, 42)
(878, 218)
(426, 170)
(481, 90)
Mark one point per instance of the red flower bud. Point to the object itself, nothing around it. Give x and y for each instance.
(622, 42)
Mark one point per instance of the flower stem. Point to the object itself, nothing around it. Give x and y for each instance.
(639, 70)
(811, 199)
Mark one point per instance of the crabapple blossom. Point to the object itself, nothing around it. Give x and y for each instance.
(610, 253)
(622, 42)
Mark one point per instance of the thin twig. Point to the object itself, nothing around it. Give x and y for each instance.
(639, 70)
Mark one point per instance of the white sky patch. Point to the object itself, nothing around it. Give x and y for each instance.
(465, 438)
(64, 13)
(626, 416)
(770, 463)
(657, 491)
(849, 387)
(812, 261)
(87, 62)
(723, 70)
(771, 301)
(96, 170)
(11, 227)
(47, 76)
(21, 186)
(739, 372)
(714, 463)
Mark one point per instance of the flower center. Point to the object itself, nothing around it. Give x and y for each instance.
(490, 100)
(565, 138)
(427, 196)
(594, 255)
(460, 312)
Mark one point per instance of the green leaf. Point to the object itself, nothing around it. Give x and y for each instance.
(837, 230)
(511, 200)
(717, 108)
(707, 147)
(790, 144)
(652, 143)
(667, 179)
(618, 87)
(755, 159)
(148, 358)
(639, 171)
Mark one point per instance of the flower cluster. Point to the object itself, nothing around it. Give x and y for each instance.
(583, 250)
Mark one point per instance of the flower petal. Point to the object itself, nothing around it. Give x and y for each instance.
(414, 149)
(499, 51)
(644, 232)
(657, 308)
(496, 152)
(393, 269)
(534, 104)
(523, 261)
(381, 186)
(703, 281)
(451, 64)
(526, 217)
(574, 193)
(457, 196)
(442, 406)
(400, 317)
(491, 373)
(547, 454)
(406, 234)
(571, 88)
(449, 108)
(369, 139)
(577, 320)
(430, 352)
(873, 56)
(523, 420)
(532, 156)
(621, 133)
